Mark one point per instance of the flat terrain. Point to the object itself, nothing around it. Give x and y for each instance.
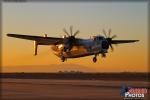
(58, 89)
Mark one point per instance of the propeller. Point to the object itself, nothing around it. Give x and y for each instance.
(109, 38)
(70, 40)
(71, 32)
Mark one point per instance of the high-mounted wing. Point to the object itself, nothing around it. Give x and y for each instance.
(122, 41)
(39, 39)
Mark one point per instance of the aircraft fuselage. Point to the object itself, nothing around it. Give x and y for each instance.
(85, 48)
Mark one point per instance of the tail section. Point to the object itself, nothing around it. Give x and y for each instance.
(35, 47)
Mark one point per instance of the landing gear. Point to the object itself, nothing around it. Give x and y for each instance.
(94, 59)
(62, 58)
(103, 55)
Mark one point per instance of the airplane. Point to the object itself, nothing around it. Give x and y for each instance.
(69, 46)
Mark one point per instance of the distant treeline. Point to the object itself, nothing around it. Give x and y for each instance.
(80, 75)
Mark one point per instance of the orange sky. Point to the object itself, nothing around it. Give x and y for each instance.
(127, 22)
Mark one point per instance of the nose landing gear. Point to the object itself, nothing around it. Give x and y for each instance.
(103, 55)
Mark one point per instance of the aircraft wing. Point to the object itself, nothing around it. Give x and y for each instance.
(123, 41)
(41, 40)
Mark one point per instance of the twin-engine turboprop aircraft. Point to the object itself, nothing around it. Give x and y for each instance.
(71, 47)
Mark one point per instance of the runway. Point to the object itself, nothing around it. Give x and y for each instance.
(48, 89)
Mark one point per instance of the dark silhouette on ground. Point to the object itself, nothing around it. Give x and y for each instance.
(134, 76)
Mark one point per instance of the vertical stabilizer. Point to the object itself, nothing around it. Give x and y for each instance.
(35, 47)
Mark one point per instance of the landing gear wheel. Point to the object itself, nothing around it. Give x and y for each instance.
(94, 59)
(103, 55)
(62, 58)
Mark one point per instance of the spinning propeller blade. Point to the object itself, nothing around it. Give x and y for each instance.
(70, 40)
(109, 38)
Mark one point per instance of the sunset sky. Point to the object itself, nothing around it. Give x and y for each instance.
(128, 20)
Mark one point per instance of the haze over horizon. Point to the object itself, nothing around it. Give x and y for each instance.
(59, 68)
(128, 20)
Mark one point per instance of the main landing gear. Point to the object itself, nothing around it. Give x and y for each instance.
(95, 58)
(63, 58)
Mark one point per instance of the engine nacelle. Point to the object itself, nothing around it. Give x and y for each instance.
(105, 45)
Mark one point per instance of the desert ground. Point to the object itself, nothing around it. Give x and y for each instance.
(55, 89)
